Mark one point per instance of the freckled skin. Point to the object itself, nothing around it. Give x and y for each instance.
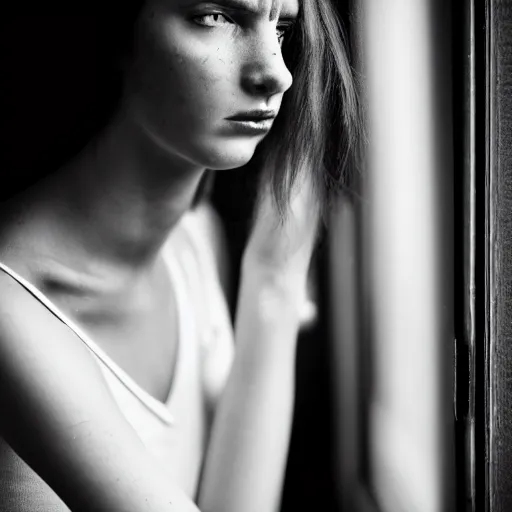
(187, 78)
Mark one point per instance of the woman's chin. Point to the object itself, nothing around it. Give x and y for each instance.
(230, 156)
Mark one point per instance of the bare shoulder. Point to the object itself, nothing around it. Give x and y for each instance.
(40, 357)
(61, 418)
(28, 327)
(215, 234)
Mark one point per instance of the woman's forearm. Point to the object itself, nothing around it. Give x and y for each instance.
(248, 449)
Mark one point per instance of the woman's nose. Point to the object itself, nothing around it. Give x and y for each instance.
(266, 74)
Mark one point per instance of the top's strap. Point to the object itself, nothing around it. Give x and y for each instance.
(158, 408)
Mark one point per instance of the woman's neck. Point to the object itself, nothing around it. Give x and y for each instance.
(119, 200)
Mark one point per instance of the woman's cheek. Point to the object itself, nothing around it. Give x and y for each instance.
(206, 78)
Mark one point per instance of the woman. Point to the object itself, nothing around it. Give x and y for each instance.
(120, 387)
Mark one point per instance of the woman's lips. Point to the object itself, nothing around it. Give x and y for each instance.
(252, 126)
(254, 115)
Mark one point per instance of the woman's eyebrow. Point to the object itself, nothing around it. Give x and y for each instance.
(253, 7)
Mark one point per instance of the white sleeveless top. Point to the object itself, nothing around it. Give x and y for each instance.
(174, 432)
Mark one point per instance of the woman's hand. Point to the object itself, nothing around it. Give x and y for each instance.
(284, 246)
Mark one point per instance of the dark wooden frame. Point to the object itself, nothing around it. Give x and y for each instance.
(494, 404)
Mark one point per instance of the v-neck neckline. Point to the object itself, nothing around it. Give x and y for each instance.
(158, 407)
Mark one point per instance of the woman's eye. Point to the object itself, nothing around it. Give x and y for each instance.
(212, 20)
(282, 30)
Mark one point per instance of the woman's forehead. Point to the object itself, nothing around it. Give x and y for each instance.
(284, 8)
(279, 8)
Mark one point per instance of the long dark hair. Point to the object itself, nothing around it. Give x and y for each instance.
(64, 82)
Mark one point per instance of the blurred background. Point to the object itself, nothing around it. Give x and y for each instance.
(400, 407)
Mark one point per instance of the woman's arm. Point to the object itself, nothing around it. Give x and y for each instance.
(248, 449)
(58, 414)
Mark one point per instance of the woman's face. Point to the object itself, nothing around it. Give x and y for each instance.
(200, 71)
